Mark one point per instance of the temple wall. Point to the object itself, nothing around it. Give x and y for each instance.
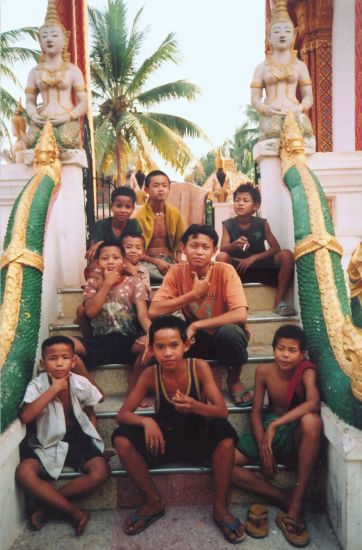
(343, 79)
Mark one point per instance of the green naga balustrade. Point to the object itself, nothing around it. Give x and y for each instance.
(334, 342)
(21, 276)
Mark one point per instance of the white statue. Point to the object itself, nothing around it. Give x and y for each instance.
(280, 74)
(54, 78)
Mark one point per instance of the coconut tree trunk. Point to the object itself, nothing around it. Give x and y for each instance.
(119, 161)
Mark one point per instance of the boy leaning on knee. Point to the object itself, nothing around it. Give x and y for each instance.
(288, 431)
(60, 405)
(189, 426)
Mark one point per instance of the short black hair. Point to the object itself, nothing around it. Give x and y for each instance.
(123, 192)
(53, 340)
(251, 189)
(292, 332)
(196, 228)
(134, 235)
(105, 244)
(155, 173)
(167, 321)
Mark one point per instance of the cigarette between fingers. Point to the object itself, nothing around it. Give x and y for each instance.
(244, 247)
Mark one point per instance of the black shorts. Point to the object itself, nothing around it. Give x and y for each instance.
(194, 444)
(108, 349)
(81, 449)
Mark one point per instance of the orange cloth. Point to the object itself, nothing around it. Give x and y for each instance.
(296, 386)
(225, 293)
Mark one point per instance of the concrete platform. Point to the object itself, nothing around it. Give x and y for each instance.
(182, 528)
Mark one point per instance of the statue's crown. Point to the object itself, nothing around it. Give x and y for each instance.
(280, 13)
(52, 18)
(219, 161)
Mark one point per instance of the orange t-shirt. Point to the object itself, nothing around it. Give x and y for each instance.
(225, 293)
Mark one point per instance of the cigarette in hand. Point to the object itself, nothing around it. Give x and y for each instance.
(245, 247)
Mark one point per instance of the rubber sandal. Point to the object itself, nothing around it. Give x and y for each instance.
(300, 537)
(231, 528)
(148, 520)
(237, 396)
(284, 310)
(257, 521)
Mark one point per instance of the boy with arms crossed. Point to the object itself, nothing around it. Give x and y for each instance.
(242, 245)
(190, 425)
(213, 302)
(289, 431)
(60, 404)
(162, 226)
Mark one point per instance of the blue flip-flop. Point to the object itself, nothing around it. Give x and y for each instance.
(232, 528)
(240, 394)
(148, 520)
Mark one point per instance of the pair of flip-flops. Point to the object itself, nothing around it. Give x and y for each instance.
(238, 401)
(284, 310)
(230, 535)
(256, 526)
(147, 521)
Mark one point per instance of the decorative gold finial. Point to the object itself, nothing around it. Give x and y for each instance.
(219, 161)
(138, 163)
(46, 153)
(291, 143)
(52, 18)
(280, 13)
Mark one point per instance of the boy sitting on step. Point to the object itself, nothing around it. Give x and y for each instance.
(58, 404)
(117, 305)
(212, 299)
(162, 227)
(288, 432)
(242, 245)
(190, 426)
(111, 229)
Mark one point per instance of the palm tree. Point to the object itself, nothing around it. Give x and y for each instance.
(10, 55)
(122, 126)
(243, 141)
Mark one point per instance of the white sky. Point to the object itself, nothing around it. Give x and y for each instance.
(221, 42)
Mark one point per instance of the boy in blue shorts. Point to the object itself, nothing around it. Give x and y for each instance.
(190, 426)
(243, 246)
(58, 404)
(288, 432)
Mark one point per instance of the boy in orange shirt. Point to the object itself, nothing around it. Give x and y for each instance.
(213, 302)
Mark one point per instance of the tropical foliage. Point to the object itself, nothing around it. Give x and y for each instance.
(10, 55)
(119, 82)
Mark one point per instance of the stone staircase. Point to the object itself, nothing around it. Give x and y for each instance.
(178, 484)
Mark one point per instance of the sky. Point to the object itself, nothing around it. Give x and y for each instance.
(221, 42)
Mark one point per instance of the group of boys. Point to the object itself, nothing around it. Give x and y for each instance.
(190, 422)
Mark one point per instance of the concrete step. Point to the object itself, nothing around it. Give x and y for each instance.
(262, 325)
(259, 297)
(179, 485)
(107, 410)
(182, 528)
(113, 379)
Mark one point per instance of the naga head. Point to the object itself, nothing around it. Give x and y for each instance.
(291, 143)
(46, 153)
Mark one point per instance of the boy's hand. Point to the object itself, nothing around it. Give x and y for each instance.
(129, 269)
(242, 244)
(268, 438)
(191, 332)
(59, 384)
(201, 286)
(183, 403)
(89, 255)
(244, 264)
(155, 442)
(268, 466)
(162, 265)
(112, 278)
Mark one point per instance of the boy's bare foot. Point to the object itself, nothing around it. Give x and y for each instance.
(81, 518)
(241, 396)
(37, 518)
(147, 514)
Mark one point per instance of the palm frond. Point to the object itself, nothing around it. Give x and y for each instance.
(169, 144)
(12, 54)
(7, 103)
(6, 72)
(172, 90)
(166, 52)
(104, 143)
(179, 125)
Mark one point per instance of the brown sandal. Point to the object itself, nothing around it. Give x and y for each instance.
(256, 524)
(299, 537)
